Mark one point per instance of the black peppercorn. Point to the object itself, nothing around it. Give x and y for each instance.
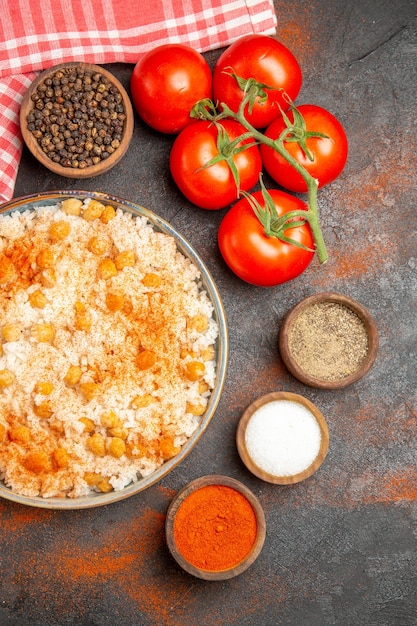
(77, 112)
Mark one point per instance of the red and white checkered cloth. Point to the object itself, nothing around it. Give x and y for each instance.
(36, 34)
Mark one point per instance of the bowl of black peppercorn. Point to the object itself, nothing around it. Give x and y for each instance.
(77, 119)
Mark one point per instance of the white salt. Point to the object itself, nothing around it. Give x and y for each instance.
(283, 438)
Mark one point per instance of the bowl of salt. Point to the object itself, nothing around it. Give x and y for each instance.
(282, 438)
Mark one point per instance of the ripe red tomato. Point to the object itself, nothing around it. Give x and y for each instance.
(329, 155)
(257, 258)
(166, 83)
(267, 61)
(212, 187)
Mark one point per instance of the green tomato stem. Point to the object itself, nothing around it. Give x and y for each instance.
(312, 215)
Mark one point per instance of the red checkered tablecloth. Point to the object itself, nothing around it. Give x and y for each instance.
(36, 34)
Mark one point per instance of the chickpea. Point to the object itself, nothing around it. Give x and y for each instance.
(6, 378)
(44, 409)
(125, 259)
(108, 214)
(207, 354)
(135, 450)
(38, 462)
(10, 332)
(89, 390)
(195, 408)
(45, 259)
(44, 388)
(107, 269)
(118, 431)
(141, 402)
(167, 447)
(152, 280)
(98, 245)
(37, 299)
(72, 206)
(92, 479)
(93, 210)
(20, 434)
(116, 447)
(43, 332)
(73, 375)
(146, 359)
(104, 485)
(83, 318)
(203, 387)
(110, 419)
(194, 370)
(96, 444)
(7, 270)
(186, 352)
(198, 323)
(61, 458)
(115, 301)
(89, 426)
(59, 230)
(131, 451)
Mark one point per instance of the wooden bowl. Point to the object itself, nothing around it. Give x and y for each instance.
(253, 553)
(312, 378)
(28, 105)
(318, 452)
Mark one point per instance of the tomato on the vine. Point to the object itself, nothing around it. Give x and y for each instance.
(213, 186)
(327, 155)
(166, 83)
(261, 259)
(267, 61)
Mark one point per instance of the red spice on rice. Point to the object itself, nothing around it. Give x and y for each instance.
(106, 353)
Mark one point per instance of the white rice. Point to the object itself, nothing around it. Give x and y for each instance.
(156, 319)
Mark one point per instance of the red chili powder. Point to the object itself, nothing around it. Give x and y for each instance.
(397, 486)
(215, 528)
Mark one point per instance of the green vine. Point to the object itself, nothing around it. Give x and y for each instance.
(275, 226)
(227, 149)
(294, 131)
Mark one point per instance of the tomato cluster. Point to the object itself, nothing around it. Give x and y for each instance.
(229, 125)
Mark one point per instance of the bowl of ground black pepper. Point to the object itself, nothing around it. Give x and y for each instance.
(77, 119)
(328, 341)
(215, 527)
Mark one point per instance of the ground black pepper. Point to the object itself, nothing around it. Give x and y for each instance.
(78, 117)
(328, 341)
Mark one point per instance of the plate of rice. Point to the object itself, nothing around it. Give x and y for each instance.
(113, 349)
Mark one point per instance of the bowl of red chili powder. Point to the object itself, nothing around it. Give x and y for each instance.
(215, 527)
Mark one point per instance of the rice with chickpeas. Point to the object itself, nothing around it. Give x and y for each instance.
(107, 349)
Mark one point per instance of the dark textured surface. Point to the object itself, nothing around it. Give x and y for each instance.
(340, 547)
